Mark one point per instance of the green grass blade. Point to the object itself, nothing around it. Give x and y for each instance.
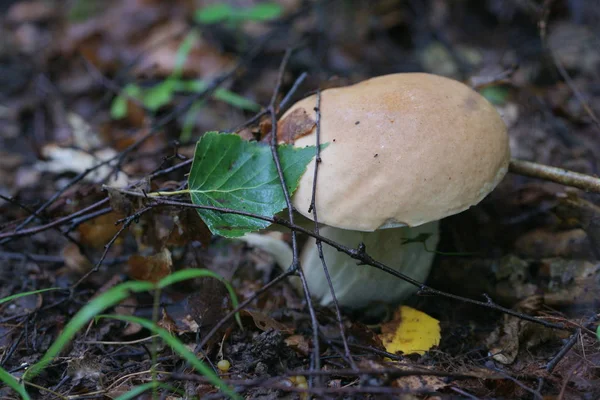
(106, 300)
(18, 295)
(13, 383)
(193, 273)
(180, 349)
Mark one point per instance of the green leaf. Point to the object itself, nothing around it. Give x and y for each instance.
(214, 13)
(495, 94)
(13, 383)
(183, 52)
(160, 95)
(107, 299)
(229, 172)
(118, 107)
(16, 296)
(227, 96)
(263, 12)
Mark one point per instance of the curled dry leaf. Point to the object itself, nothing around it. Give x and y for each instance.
(516, 334)
(299, 344)
(150, 268)
(168, 323)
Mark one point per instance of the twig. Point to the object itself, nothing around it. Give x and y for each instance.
(32, 231)
(554, 174)
(243, 304)
(319, 245)
(296, 267)
(569, 344)
(361, 255)
(126, 222)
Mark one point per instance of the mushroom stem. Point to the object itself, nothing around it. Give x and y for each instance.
(356, 285)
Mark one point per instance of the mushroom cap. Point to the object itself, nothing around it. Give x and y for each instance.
(404, 149)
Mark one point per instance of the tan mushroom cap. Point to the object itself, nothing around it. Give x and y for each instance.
(404, 149)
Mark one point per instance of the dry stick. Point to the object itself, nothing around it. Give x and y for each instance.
(569, 345)
(554, 174)
(543, 25)
(361, 255)
(296, 267)
(282, 105)
(313, 208)
(66, 234)
(32, 231)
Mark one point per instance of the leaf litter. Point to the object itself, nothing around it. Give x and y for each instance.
(533, 245)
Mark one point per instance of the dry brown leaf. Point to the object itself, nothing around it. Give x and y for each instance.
(150, 268)
(541, 243)
(265, 323)
(581, 213)
(516, 334)
(127, 307)
(209, 304)
(299, 123)
(99, 231)
(299, 344)
(204, 61)
(166, 322)
(188, 227)
(74, 260)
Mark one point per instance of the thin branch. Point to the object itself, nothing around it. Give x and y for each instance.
(126, 222)
(318, 243)
(554, 174)
(361, 255)
(296, 267)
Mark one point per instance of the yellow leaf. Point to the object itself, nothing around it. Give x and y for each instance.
(410, 331)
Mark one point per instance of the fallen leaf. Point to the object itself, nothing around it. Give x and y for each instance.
(128, 307)
(62, 159)
(209, 303)
(74, 260)
(150, 268)
(581, 213)
(299, 344)
(99, 231)
(188, 227)
(265, 323)
(299, 123)
(410, 331)
(516, 334)
(168, 323)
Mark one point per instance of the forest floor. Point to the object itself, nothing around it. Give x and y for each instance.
(135, 84)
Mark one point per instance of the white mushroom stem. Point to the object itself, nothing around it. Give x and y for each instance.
(356, 286)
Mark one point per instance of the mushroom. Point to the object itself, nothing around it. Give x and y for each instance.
(404, 151)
